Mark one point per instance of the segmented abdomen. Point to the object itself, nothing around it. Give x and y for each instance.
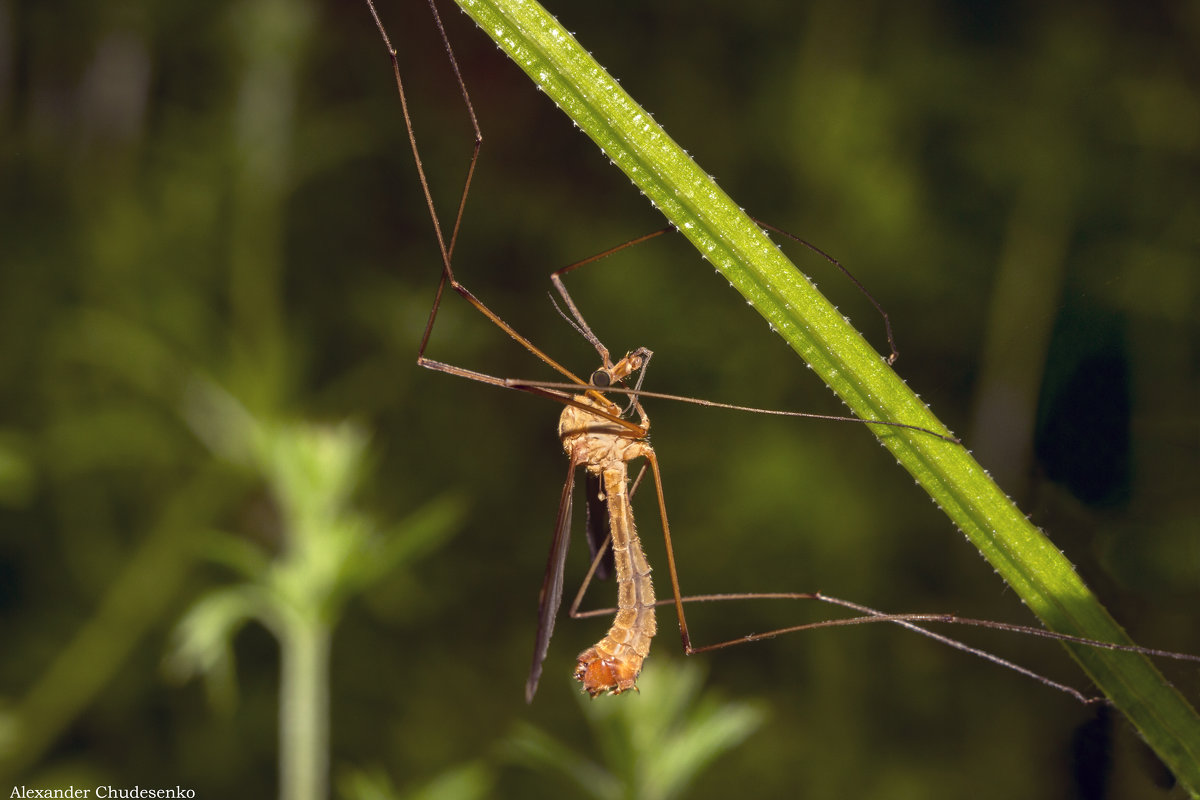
(612, 664)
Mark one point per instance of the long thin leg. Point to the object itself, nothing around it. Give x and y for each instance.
(671, 570)
(586, 331)
(907, 620)
(445, 249)
(887, 322)
(556, 279)
(870, 616)
(534, 387)
(515, 383)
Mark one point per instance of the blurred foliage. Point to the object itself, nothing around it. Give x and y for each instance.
(221, 192)
(328, 553)
(467, 782)
(653, 748)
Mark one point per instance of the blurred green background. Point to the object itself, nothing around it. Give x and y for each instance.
(216, 200)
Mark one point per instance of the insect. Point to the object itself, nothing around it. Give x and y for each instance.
(601, 437)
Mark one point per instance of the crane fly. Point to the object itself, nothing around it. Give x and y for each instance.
(602, 437)
(596, 437)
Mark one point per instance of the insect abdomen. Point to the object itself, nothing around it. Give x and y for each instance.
(612, 664)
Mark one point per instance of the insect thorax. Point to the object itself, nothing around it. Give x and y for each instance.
(592, 439)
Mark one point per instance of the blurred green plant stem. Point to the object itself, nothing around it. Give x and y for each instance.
(328, 554)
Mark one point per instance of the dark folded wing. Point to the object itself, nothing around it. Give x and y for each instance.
(550, 597)
(598, 525)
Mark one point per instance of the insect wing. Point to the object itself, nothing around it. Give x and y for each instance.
(550, 598)
(598, 524)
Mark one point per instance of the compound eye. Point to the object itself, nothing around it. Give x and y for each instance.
(601, 378)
